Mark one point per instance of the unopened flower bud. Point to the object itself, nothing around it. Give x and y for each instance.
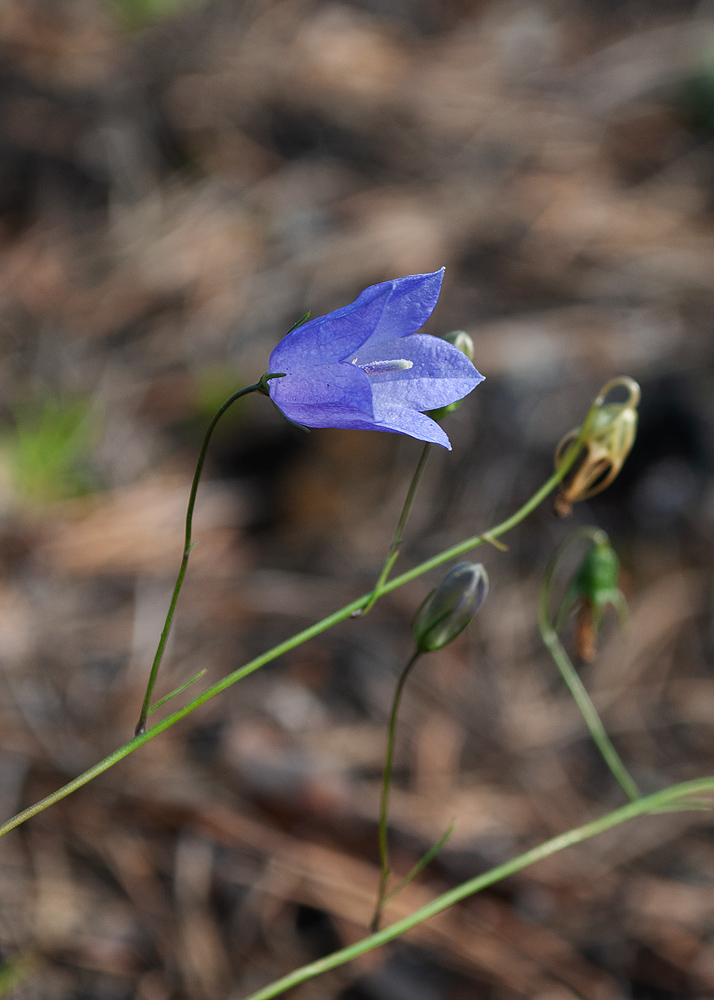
(449, 609)
(594, 585)
(607, 443)
(461, 340)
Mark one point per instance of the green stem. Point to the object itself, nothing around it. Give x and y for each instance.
(443, 902)
(386, 782)
(176, 691)
(572, 678)
(421, 864)
(309, 633)
(393, 553)
(146, 706)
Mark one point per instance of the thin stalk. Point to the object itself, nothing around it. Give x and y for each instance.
(421, 864)
(576, 687)
(589, 714)
(284, 647)
(386, 783)
(652, 803)
(393, 553)
(187, 546)
(178, 690)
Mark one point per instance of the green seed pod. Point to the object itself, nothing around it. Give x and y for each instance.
(598, 576)
(594, 585)
(460, 339)
(449, 609)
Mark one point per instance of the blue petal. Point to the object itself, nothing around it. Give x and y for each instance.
(325, 396)
(410, 305)
(332, 337)
(401, 420)
(440, 373)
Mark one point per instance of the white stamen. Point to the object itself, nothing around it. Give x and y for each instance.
(377, 367)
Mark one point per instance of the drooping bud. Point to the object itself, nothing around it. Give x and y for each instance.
(594, 585)
(610, 433)
(449, 609)
(461, 340)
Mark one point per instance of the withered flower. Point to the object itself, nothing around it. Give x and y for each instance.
(605, 446)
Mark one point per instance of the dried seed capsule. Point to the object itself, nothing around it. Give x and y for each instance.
(607, 444)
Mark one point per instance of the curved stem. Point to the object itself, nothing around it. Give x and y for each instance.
(393, 553)
(141, 724)
(572, 678)
(658, 801)
(386, 783)
(309, 633)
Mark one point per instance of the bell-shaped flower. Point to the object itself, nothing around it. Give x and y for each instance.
(363, 366)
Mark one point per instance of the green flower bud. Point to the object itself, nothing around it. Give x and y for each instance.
(460, 339)
(594, 585)
(449, 609)
(598, 576)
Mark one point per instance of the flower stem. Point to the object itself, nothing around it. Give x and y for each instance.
(386, 783)
(393, 553)
(309, 633)
(652, 803)
(187, 546)
(572, 678)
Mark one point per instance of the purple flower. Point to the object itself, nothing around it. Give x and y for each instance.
(365, 368)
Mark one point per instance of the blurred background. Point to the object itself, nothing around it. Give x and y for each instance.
(180, 180)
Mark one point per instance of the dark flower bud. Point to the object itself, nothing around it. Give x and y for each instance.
(449, 609)
(461, 340)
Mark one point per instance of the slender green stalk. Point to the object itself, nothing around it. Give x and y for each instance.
(589, 714)
(187, 546)
(421, 864)
(657, 802)
(176, 691)
(284, 647)
(386, 783)
(393, 553)
(572, 678)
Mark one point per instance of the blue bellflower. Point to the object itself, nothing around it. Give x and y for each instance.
(364, 367)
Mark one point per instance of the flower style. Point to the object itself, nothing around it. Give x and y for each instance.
(363, 367)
